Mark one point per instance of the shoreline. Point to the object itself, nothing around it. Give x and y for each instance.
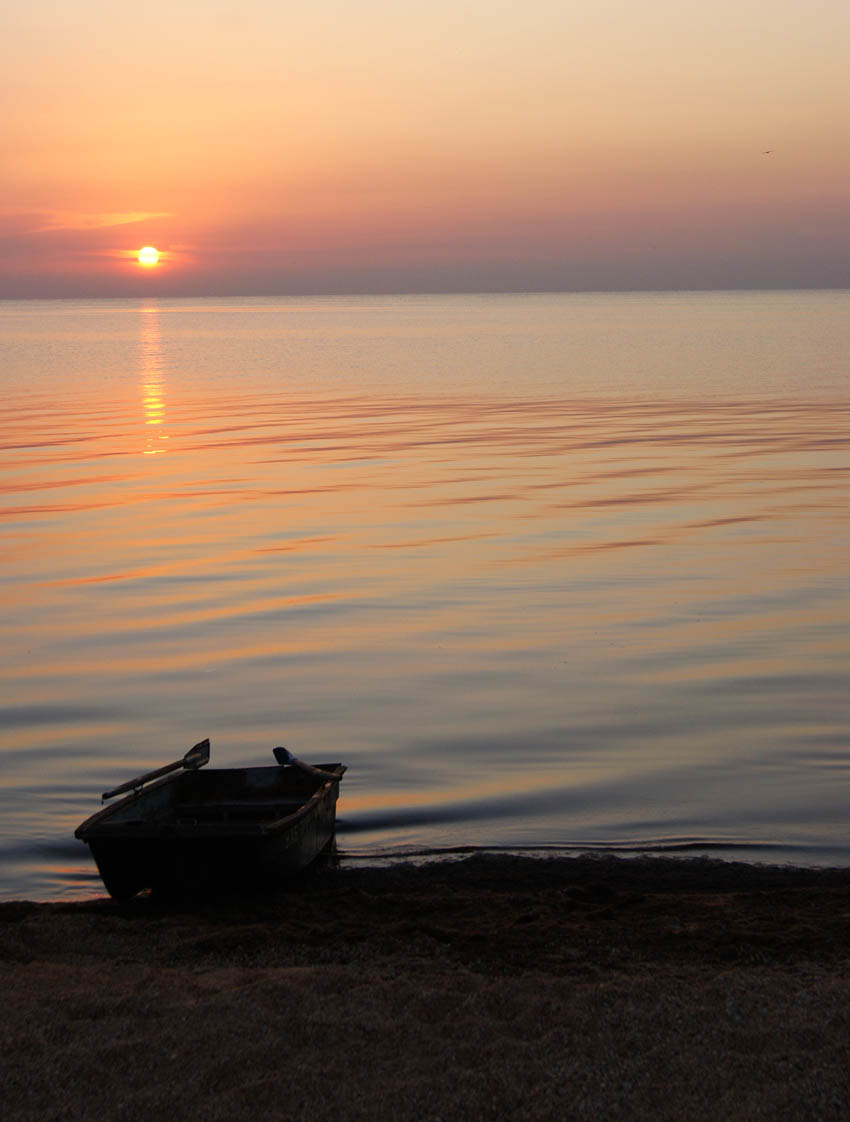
(483, 987)
(759, 857)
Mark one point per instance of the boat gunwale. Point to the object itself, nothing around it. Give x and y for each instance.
(98, 825)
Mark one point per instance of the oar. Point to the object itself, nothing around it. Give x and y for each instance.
(196, 757)
(284, 757)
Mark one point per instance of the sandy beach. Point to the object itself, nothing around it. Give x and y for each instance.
(488, 988)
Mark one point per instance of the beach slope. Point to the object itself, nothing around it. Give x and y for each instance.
(487, 988)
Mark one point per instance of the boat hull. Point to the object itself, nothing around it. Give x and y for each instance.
(151, 841)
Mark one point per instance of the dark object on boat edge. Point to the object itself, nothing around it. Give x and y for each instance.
(183, 830)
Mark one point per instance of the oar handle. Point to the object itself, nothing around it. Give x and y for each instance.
(284, 757)
(196, 757)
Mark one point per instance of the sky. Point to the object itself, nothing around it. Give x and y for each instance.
(347, 146)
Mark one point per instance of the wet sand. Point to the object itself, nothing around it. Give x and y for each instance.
(490, 988)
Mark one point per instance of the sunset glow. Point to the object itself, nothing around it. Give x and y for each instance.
(381, 147)
(148, 256)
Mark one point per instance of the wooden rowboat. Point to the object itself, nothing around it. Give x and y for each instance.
(181, 829)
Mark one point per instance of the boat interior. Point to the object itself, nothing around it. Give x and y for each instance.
(222, 795)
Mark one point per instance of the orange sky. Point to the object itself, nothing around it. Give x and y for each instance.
(447, 145)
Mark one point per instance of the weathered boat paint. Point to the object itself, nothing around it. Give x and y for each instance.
(198, 831)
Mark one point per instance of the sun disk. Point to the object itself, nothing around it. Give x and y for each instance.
(148, 255)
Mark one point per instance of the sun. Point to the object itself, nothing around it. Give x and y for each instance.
(148, 256)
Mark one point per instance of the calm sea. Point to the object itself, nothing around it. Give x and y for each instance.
(565, 571)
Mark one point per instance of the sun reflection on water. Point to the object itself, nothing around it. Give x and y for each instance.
(152, 379)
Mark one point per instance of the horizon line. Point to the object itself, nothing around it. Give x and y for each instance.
(383, 294)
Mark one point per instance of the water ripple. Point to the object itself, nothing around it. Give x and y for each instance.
(554, 602)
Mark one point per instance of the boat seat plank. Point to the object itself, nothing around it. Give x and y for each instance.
(222, 811)
(289, 805)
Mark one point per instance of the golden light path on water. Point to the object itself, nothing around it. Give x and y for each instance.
(153, 383)
(515, 562)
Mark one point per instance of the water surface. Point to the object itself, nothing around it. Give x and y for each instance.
(560, 571)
